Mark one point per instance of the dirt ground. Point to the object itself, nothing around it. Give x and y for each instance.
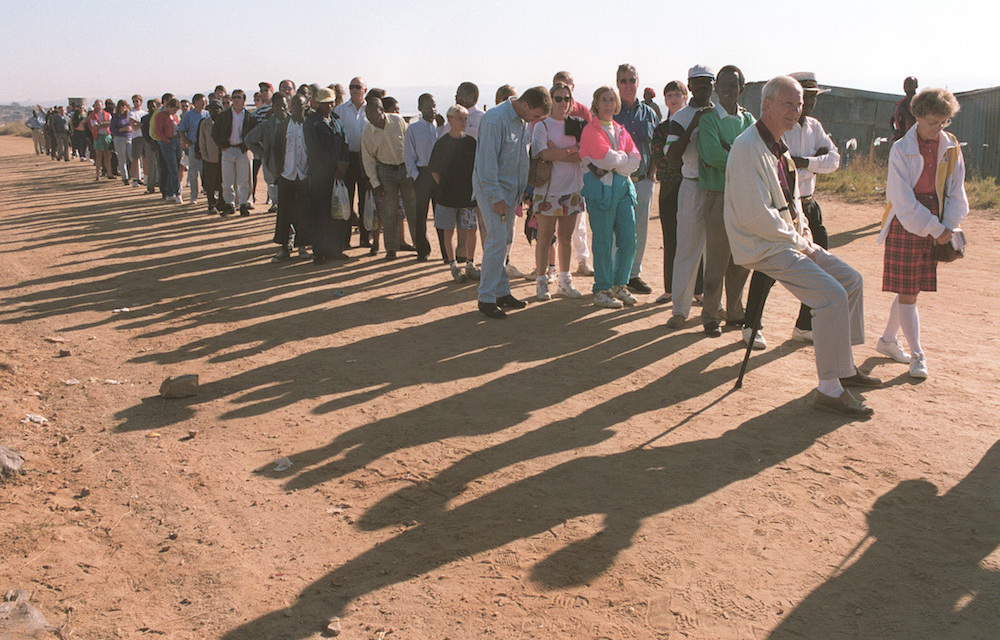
(569, 472)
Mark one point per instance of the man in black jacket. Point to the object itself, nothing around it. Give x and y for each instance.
(328, 158)
(229, 131)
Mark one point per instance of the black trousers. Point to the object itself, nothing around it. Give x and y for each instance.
(814, 215)
(293, 212)
(357, 182)
(327, 236)
(423, 189)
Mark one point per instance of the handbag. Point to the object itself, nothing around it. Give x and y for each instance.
(539, 171)
(950, 251)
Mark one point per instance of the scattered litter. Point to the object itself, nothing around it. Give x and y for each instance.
(64, 352)
(153, 434)
(122, 310)
(55, 339)
(338, 293)
(18, 619)
(71, 381)
(333, 626)
(34, 417)
(192, 433)
(351, 361)
(110, 381)
(282, 464)
(333, 511)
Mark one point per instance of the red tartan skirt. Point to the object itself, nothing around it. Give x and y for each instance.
(909, 266)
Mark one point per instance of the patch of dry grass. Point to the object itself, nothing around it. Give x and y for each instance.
(14, 128)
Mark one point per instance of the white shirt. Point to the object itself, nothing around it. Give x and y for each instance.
(689, 168)
(567, 177)
(354, 120)
(236, 135)
(134, 116)
(420, 138)
(803, 141)
(295, 153)
(475, 115)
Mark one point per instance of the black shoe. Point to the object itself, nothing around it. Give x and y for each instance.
(319, 259)
(510, 302)
(211, 210)
(491, 310)
(244, 210)
(636, 285)
(226, 210)
(339, 256)
(712, 329)
(365, 243)
(423, 257)
(407, 247)
(390, 255)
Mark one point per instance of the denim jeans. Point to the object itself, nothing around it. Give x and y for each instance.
(171, 153)
(493, 281)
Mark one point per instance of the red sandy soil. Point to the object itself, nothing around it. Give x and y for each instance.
(569, 472)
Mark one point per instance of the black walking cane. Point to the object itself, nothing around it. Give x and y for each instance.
(760, 286)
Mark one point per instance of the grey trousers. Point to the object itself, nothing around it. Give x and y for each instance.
(835, 293)
(720, 270)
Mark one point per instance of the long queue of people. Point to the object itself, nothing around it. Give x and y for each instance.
(736, 194)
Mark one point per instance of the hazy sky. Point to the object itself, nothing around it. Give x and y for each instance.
(52, 48)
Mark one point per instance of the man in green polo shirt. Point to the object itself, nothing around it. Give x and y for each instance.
(717, 130)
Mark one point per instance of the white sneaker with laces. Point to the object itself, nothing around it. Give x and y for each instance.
(457, 274)
(607, 300)
(893, 350)
(584, 268)
(802, 335)
(513, 272)
(542, 289)
(918, 366)
(624, 295)
(565, 288)
(759, 343)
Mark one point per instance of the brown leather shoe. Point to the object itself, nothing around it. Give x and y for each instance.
(846, 405)
(861, 380)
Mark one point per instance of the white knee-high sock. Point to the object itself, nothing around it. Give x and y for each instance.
(909, 320)
(892, 326)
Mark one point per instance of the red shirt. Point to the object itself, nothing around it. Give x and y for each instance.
(166, 126)
(928, 177)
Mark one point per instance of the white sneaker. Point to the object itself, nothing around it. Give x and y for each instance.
(918, 366)
(893, 350)
(457, 274)
(542, 289)
(584, 268)
(802, 335)
(472, 271)
(623, 294)
(759, 343)
(551, 274)
(565, 288)
(607, 300)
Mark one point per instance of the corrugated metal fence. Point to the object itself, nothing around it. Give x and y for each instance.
(866, 116)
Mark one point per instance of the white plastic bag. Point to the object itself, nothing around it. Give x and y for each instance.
(340, 204)
(371, 215)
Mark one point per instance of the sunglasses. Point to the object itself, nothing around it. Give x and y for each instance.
(627, 80)
(561, 98)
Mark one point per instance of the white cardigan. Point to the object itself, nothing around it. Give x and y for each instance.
(905, 166)
(758, 217)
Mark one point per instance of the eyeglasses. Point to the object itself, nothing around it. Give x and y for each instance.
(352, 87)
(562, 99)
(627, 80)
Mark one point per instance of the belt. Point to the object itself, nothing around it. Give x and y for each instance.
(391, 166)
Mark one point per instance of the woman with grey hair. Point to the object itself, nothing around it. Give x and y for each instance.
(927, 203)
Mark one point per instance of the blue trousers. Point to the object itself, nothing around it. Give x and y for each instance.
(611, 211)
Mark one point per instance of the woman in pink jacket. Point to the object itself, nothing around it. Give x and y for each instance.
(99, 122)
(609, 156)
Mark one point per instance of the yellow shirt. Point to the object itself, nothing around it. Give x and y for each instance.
(383, 145)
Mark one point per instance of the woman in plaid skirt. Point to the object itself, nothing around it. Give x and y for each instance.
(927, 202)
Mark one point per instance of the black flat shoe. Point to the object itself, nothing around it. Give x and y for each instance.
(510, 302)
(491, 310)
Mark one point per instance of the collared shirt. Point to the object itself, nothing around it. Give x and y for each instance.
(236, 135)
(803, 141)
(383, 146)
(420, 138)
(639, 120)
(718, 129)
(296, 160)
(189, 123)
(354, 121)
(785, 175)
(501, 170)
(679, 123)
